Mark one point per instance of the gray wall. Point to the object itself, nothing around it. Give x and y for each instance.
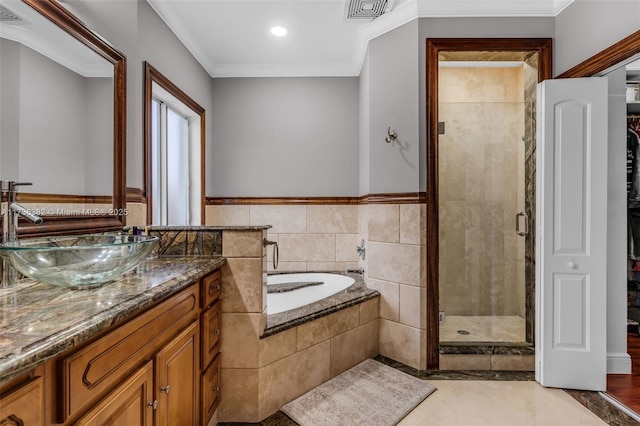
(365, 112)
(137, 31)
(9, 113)
(53, 113)
(285, 137)
(99, 137)
(393, 102)
(587, 27)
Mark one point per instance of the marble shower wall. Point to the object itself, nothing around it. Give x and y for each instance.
(481, 162)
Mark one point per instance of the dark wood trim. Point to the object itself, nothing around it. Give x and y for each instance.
(396, 198)
(543, 46)
(29, 197)
(65, 225)
(152, 75)
(226, 201)
(135, 195)
(64, 19)
(389, 198)
(432, 223)
(611, 56)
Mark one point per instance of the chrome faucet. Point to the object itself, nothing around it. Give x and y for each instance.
(10, 216)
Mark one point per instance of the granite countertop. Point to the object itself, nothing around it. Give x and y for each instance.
(208, 228)
(39, 321)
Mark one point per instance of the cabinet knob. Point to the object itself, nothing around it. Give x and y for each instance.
(216, 388)
(165, 389)
(153, 404)
(217, 331)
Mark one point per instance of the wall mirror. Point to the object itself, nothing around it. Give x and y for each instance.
(62, 118)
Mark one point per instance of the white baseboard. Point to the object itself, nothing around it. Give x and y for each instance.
(618, 363)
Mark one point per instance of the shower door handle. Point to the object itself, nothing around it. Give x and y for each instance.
(526, 224)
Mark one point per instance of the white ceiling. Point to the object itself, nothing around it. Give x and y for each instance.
(231, 38)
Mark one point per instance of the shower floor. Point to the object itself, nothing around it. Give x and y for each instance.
(482, 329)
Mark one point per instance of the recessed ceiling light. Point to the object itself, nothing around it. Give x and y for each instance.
(279, 31)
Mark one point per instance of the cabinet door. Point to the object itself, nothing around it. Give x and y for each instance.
(210, 390)
(131, 403)
(210, 333)
(177, 370)
(24, 406)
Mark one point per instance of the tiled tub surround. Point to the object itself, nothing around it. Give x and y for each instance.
(40, 321)
(260, 375)
(324, 238)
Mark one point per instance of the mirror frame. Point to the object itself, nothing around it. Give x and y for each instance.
(75, 224)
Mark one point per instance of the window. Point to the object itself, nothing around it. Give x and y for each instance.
(174, 149)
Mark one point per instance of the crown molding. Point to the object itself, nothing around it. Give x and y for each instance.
(490, 8)
(166, 8)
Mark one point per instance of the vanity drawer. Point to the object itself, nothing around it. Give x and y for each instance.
(211, 288)
(25, 405)
(210, 323)
(91, 371)
(210, 390)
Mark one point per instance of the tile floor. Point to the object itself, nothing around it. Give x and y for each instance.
(495, 398)
(495, 403)
(482, 329)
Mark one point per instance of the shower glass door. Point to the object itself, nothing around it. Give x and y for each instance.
(486, 173)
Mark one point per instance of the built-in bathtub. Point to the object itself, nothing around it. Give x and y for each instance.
(294, 298)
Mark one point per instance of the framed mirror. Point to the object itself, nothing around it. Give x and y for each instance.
(62, 119)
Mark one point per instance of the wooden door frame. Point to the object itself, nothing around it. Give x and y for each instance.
(542, 46)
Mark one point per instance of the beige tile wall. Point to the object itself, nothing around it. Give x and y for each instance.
(137, 214)
(395, 265)
(310, 238)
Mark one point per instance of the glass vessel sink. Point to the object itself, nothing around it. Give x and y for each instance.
(78, 261)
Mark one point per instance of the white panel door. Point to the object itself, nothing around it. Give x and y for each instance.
(571, 266)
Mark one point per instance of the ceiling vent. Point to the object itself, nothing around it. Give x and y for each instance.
(8, 17)
(367, 9)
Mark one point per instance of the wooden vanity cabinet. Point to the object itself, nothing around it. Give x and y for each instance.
(147, 371)
(169, 395)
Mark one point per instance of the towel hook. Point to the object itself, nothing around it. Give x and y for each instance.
(392, 136)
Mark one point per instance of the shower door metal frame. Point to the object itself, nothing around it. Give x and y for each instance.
(541, 46)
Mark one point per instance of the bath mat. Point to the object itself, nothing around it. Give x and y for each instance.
(370, 393)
